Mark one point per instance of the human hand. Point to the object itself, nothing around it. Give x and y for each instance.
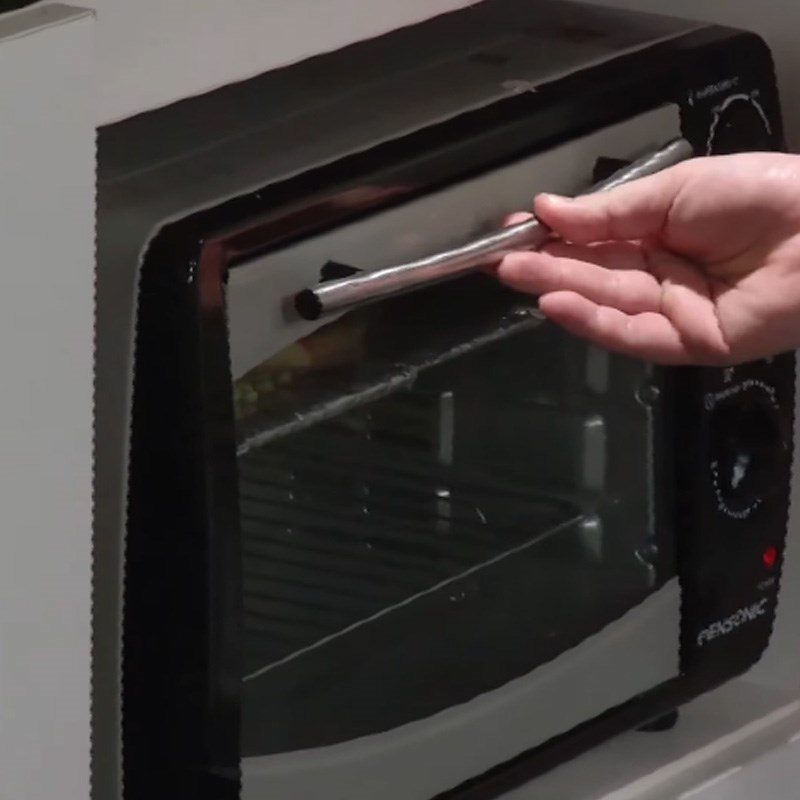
(699, 264)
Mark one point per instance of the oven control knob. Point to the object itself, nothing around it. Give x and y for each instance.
(747, 445)
(739, 123)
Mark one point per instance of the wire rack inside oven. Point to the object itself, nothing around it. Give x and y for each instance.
(344, 521)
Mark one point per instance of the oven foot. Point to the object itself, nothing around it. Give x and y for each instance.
(665, 722)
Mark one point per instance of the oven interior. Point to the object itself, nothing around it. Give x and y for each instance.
(438, 493)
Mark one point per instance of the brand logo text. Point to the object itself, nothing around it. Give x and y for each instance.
(736, 620)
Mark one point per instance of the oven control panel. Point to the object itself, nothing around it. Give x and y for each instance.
(733, 435)
(747, 437)
(740, 113)
(736, 496)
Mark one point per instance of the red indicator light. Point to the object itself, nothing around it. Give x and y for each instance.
(769, 557)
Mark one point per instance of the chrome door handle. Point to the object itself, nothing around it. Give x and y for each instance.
(369, 287)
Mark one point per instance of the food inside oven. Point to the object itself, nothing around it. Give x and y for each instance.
(434, 501)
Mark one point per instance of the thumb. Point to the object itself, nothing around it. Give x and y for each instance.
(635, 210)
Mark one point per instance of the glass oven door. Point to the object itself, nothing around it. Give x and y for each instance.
(456, 545)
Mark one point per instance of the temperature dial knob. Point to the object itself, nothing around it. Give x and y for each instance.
(739, 123)
(747, 445)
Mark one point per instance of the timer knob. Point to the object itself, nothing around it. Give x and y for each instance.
(739, 123)
(747, 443)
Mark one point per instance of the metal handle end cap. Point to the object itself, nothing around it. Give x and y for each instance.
(308, 305)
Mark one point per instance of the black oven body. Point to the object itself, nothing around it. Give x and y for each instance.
(182, 599)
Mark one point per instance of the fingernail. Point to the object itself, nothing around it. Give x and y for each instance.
(555, 198)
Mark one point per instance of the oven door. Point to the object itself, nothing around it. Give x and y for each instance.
(456, 543)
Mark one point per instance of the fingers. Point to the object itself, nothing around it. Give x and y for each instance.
(649, 336)
(609, 274)
(511, 219)
(637, 210)
(517, 217)
(625, 297)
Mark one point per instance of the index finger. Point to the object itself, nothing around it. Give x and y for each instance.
(636, 210)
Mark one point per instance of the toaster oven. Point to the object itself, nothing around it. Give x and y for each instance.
(431, 546)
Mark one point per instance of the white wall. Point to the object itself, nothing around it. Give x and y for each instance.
(47, 159)
(152, 52)
(778, 21)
